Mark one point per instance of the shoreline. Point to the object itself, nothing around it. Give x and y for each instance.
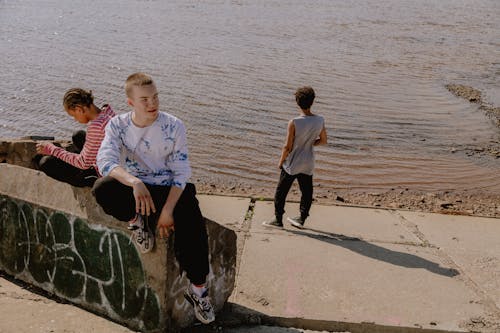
(453, 202)
(472, 202)
(469, 203)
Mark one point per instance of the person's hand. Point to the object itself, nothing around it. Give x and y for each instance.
(165, 224)
(45, 148)
(280, 165)
(144, 204)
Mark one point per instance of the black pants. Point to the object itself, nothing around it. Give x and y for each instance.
(191, 240)
(284, 184)
(64, 172)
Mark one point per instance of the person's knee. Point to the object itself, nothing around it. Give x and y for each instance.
(78, 139)
(101, 187)
(47, 164)
(190, 189)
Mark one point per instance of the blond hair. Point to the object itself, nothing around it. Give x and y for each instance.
(137, 79)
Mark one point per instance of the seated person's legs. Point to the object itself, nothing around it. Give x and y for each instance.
(78, 140)
(191, 240)
(115, 198)
(64, 172)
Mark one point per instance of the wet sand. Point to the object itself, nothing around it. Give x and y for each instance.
(444, 202)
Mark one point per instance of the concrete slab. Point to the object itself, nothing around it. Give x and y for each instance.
(367, 224)
(27, 312)
(471, 242)
(228, 211)
(316, 275)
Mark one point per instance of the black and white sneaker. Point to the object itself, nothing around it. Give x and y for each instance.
(144, 239)
(297, 222)
(203, 309)
(274, 223)
(136, 223)
(142, 235)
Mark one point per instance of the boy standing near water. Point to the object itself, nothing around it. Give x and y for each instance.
(297, 159)
(144, 161)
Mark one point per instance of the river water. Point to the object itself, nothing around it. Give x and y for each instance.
(229, 69)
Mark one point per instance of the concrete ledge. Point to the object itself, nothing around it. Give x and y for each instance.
(56, 237)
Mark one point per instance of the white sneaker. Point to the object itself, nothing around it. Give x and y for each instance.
(203, 309)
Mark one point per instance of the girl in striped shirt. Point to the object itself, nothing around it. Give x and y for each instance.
(77, 168)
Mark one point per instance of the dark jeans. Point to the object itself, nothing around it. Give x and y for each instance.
(64, 172)
(191, 240)
(284, 184)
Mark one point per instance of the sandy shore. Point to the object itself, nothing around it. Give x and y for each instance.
(444, 202)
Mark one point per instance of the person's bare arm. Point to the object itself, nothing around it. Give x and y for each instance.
(144, 204)
(287, 148)
(322, 138)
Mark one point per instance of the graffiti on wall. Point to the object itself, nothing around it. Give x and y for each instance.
(94, 266)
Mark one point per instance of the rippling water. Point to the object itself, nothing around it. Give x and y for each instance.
(229, 70)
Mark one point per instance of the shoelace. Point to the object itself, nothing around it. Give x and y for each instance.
(140, 236)
(205, 304)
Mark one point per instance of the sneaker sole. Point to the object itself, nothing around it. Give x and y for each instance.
(197, 315)
(295, 224)
(272, 226)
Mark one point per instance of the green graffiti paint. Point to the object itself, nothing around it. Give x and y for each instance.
(11, 237)
(91, 265)
(151, 311)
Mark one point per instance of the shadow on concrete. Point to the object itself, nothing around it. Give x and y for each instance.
(235, 318)
(375, 251)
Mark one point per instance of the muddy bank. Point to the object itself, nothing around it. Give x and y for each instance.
(475, 96)
(472, 203)
(491, 149)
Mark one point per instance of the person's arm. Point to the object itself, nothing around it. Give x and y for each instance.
(108, 163)
(287, 148)
(179, 164)
(322, 138)
(166, 220)
(86, 158)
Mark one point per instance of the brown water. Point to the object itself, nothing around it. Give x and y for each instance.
(229, 70)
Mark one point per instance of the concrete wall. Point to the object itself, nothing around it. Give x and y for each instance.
(20, 152)
(56, 237)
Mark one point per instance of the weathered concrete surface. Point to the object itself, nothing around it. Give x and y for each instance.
(17, 152)
(56, 237)
(361, 270)
(390, 276)
(228, 211)
(26, 312)
(473, 244)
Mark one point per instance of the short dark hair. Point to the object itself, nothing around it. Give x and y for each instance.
(77, 96)
(304, 97)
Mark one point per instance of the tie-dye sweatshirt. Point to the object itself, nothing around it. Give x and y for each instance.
(156, 154)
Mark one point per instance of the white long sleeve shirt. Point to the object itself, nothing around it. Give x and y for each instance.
(156, 154)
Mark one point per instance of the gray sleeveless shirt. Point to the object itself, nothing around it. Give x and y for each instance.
(301, 158)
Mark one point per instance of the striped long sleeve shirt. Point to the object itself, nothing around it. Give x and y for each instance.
(95, 134)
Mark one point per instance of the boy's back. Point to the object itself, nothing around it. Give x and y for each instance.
(301, 158)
